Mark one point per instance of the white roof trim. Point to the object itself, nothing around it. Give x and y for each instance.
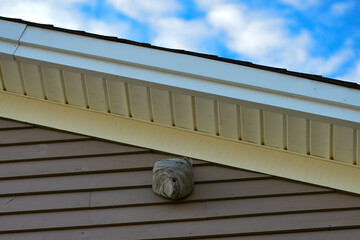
(182, 72)
(9, 36)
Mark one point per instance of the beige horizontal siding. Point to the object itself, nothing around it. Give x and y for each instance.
(35, 135)
(56, 185)
(318, 235)
(168, 212)
(126, 179)
(143, 195)
(81, 165)
(63, 149)
(211, 227)
(6, 124)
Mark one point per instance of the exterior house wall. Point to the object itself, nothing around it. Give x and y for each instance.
(270, 120)
(58, 185)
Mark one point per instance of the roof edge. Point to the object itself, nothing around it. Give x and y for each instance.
(190, 53)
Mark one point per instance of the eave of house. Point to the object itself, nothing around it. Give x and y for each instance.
(245, 117)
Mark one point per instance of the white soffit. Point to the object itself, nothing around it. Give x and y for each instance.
(243, 155)
(261, 120)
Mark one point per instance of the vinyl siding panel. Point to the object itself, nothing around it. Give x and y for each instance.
(35, 135)
(58, 185)
(6, 124)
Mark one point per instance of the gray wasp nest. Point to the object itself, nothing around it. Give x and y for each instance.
(173, 178)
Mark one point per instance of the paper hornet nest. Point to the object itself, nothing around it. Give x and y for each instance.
(173, 178)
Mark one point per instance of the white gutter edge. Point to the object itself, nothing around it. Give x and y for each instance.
(190, 74)
(9, 38)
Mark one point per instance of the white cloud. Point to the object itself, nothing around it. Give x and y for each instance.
(181, 34)
(326, 66)
(65, 13)
(266, 39)
(146, 10)
(353, 75)
(109, 28)
(167, 30)
(256, 35)
(247, 35)
(341, 8)
(59, 13)
(301, 4)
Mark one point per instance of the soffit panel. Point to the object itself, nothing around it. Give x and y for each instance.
(190, 112)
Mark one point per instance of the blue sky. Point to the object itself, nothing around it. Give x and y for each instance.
(311, 36)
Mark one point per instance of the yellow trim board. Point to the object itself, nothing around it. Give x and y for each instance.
(177, 141)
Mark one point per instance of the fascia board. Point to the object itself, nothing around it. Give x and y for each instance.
(7, 49)
(182, 142)
(10, 33)
(226, 73)
(11, 30)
